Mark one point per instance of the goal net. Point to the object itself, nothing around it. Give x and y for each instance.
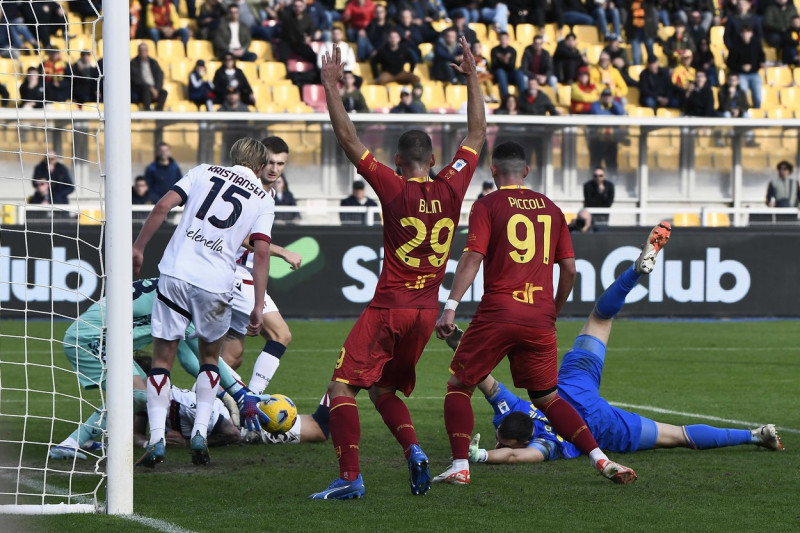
(53, 269)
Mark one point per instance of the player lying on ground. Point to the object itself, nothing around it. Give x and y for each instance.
(307, 428)
(524, 435)
(84, 346)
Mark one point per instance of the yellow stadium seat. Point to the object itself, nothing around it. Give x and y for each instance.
(455, 96)
(549, 91)
(780, 76)
(377, 96)
(91, 217)
(170, 50)
(569, 216)
(686, 219)
(637, 111)
(271, 71)
(440, 25)
(425, 49)
(184, 107)
(525, 33)
(770, 97)
(250, 70)
(665, 32)
(593, 53)
(262, 93)
(29, 61)
(262, 49)
(287, 95)
(634, 71)
(789, 98)
(480, 30)
(199, 49)
(715, 35)
(433, 96)
(667, 112)
(180, 70)
(718, 220)
(8, 216)
(564, 94)
(176, 91)
(299, 108)
(151, 47)
(423, 71)
(586, 35)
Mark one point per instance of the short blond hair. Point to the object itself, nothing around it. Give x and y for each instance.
(249, 153)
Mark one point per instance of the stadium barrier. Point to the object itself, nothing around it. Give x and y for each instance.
(704, 272)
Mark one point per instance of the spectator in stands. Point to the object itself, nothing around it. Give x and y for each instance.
(416, 97)
(147, 80)
(696, 26)
(229, 76)
(745, 58)
(201, 90)
(791, 43)
(619, 58)
(47, 18)
(699, 99)
(466, 8)
(509, 105)
(604, 140)
(141, 194)
(782, 191)
(31, 91)
(162, 173)
(642, 28)
(41, 194)
(233, 37)
(733, 99)
(212, 12)
(233, 103)
(5, 97)
(494, 14)
(84, 79)
(584, 93)
(357, 15)
(352, 98)
(163, 20)
(777, 21)
(536, 62)
(485, 77)
(14, 33)
(488, 186)
(735, 23)
(297, 29)
(337, 39)
(655, 87)
(256, 16)
(536, 102)
(704, 9)
(678, 42)
(704, 62)
(684, 74)
(582, 223)
(407, 104)
(597, 192)
(388, 63)
(412, 34)
(56, 174)
(567, 58)
(580, 12)
(605, 75)
(371, 39)
(284, 197)
(504, 61)
(134, 14)
(462, 28)
(56, 85)
(358, 198)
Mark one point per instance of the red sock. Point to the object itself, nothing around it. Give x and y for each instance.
(458, 420)
(568, 423)
(397, 418)
(345, 434)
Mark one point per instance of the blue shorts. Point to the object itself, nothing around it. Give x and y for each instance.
(579, 383)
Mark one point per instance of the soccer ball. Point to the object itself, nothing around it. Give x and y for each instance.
(281, 411)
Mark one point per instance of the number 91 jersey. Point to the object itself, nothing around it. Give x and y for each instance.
(222, 207)
(522, 234)
(420, 216)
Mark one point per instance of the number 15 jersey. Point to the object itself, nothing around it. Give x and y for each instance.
(420, 216)
(222, 207)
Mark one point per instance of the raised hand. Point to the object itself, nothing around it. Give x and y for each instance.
(467, 65)
(332, 68)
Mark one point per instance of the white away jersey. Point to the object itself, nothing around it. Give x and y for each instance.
(222, 206)
(183, 408)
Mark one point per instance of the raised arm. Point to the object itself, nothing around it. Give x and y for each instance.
(331, 72)
(476, 113)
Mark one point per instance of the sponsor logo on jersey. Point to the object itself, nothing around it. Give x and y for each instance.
(214, 246)
(459, 164)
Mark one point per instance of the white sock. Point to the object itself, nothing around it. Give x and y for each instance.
(207, 381)
(460, 464)
(595, 455)
(265, 367)
(158, 389)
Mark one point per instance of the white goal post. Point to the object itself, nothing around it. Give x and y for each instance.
(45, 284)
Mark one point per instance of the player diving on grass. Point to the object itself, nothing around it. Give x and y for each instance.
(85, 348)
(524, 435)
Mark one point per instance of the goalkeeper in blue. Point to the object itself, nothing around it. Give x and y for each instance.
(524, 434)
(84, 346)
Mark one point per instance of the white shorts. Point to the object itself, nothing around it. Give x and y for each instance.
(179, 303)
(244, 298)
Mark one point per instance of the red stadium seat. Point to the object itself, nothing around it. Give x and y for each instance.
(314, 96)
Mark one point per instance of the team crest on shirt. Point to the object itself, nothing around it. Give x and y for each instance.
(459, 164)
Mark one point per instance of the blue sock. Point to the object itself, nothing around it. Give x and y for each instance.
(702, 437)
(612, 300)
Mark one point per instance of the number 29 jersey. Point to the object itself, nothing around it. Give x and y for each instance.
(521, 234)
(223, 205)
(420, 216)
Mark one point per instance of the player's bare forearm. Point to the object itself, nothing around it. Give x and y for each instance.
(488, 386)
(476, 112)
(343, 127)
(468, 267)
(514, 455)
(293, 258)
(566, 281)
(261, 255)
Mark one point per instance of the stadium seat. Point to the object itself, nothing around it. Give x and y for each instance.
(262, 49)
(377, 97)
(789, 100)
(586, 35)
(29, 61)
(180, 70)
(90, 217)
(176, 91)
(455, 96)
(633, 96)
(170, 49)
(286, 95)
(634, 71)
(569, 216)
(423, 71)
(314, 96)
(365, 70)
(665, 32)
(549, 91)
(718, 220)
(151, 46)
(184, 107)
(525, 33)
(262, 93)
(716, 34)
(425, 49)
(637, 111)
(686, 219)
(480, 30)
(199, 49)
(297, 65)
(593, 53)
(564, 94)
(778, 76)
(666, 112)
(8, 216)
(433, 96)
(250, 70)
(770, 97)
(271, 71)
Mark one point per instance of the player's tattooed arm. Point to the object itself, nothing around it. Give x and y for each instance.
(489, 386)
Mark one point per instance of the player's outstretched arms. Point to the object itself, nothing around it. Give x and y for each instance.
(151, 225)
(476, 112)
(343, 128)
(566, 280)
(467, 269)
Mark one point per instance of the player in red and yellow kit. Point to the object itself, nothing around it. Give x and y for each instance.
(420, 215)
(518, 234)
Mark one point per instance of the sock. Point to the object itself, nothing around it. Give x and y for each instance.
(345, 434)
(460, 464)
(266, 366)
(71, 441)
(612, 300)
(158, 387)
(566, 421)
(92, 429)
(458, 420)
(596, 455)
(702, 437)
(397, 418)
(206, 391)
(322, 415)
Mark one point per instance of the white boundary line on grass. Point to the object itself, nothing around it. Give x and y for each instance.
(155, 523)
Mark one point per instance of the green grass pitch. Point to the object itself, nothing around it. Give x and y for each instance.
(739, 371)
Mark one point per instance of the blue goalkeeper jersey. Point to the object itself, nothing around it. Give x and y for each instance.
(552, 445)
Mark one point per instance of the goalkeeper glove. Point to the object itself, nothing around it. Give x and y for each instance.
(455, 338)
(477, 454)
(249, 413)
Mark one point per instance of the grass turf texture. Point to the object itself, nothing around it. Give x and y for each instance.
(746, 371)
